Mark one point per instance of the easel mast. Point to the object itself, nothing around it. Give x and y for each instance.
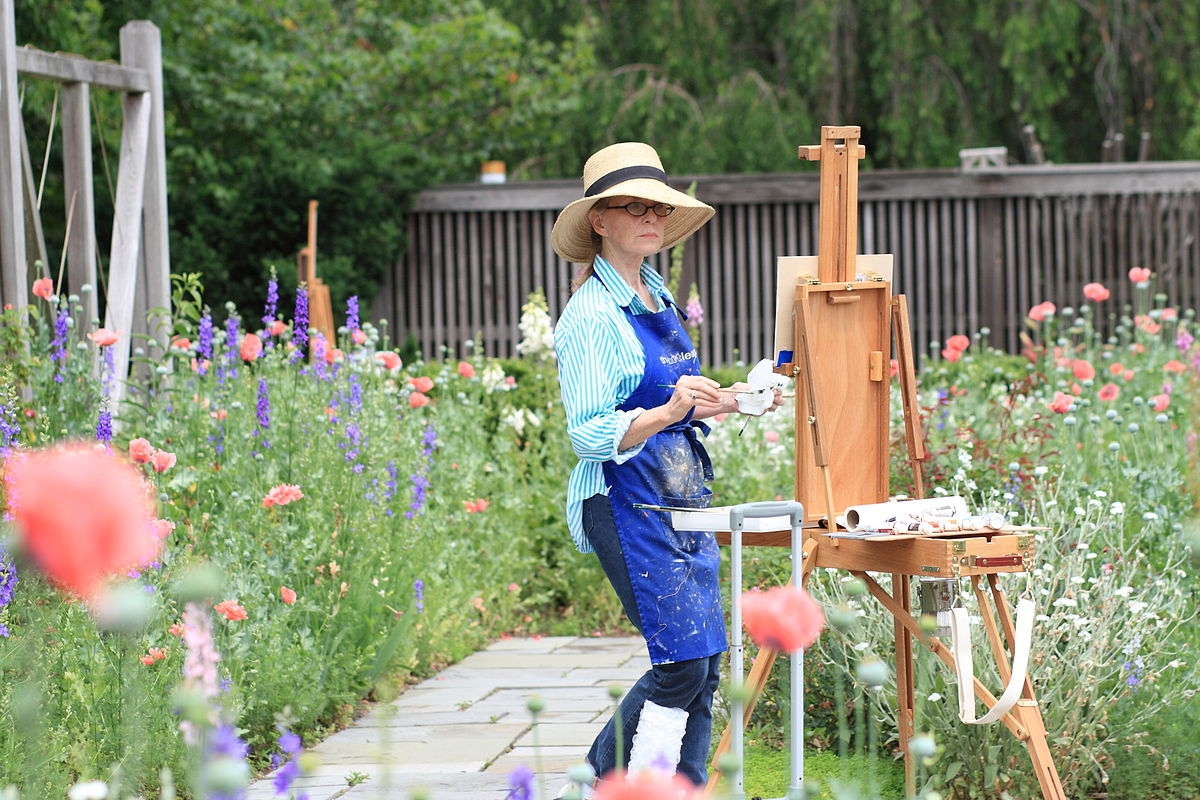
(843, 327)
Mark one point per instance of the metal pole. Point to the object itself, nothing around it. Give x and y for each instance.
(796, 791)
(736, 655)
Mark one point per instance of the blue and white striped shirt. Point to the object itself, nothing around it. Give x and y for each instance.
(600, 363)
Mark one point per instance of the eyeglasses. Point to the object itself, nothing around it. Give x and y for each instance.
(639, 209)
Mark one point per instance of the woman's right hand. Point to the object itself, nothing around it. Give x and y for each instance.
(693, 391)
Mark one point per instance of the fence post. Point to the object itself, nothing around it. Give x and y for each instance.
(14, 288)
(141, 48)
(993, 299)
(81, 204)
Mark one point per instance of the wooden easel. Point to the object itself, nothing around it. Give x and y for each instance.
(320, 306)
(843, 330)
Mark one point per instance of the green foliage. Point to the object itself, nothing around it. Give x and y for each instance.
(825, 775)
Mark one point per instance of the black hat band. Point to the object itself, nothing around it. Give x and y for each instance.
(624, 174)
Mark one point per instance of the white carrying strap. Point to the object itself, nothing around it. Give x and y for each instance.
(960, 635)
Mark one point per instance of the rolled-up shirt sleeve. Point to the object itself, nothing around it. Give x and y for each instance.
(590, 380)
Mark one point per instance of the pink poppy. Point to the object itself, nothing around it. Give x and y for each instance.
(1170, 313)
(893, 368)
(1161, 401)
(950, 354)
(276, 327)
(251, 347)
(421, 384)
(417, 399)
(772, 436)
(1139, 275)
(1096, 292)
(333, 354)
(390, 360)
(645, 785)
(1174, 366)
(155, 655)
(1116, 368)
(231, 611)
(182, 343)
(162, 528)
(1127, 375)
(1061, 403)
(103, 337)
(162, 460)
(785, 617)
(43, 288)
(282, 494)
(287, 595)
(358, 336)
(176, 629)
(198, 363)
(466, 369)
(140, 451)
(1147, 323)
(1109, 392)
(1083, 370)
(958, 342)
(219, 415)
(1041, 311)
(82, 514)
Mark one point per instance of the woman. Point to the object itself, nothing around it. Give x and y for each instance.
(634, 397)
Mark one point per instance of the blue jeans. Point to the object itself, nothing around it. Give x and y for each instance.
(685, 684)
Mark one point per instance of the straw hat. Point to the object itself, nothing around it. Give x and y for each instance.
(627, 168)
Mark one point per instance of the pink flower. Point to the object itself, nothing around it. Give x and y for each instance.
(81, 513)
(43, 288)
(181, 343)
(333, 354)
(785, 618)
(287, 595)
(421, 384)
(251, 347)
(1161, 401)
(513, 587)
(466, 369)
(958, 342)
(282, 494)
(893, 368)
(140, 451)
(509, 380)
(645, 785)
(417, 399)
(1061, 403)
(391, 361)
(162, 528)
(1083, 370)
(176, 629)
(1147, 323)
(1139, 275)
(1108, 392)
(772, 436)
(1116, 368)
(950, 354)
(276, 327)
(155, 655)
(1095, 292)
(1170, 313)
(475, 506)
(162, 460)
(231, 610)
(1127, 375)
(1174, 366)
(219, 415)
(103, 337)
(358, 336)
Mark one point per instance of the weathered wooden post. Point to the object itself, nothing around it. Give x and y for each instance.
(14, 289)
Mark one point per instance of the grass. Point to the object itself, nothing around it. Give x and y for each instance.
(768, 774)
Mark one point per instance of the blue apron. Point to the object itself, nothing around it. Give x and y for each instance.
(674, 574)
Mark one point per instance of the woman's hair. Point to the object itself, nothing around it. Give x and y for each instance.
(597, 243)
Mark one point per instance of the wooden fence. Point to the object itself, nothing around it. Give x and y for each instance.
(973, 249)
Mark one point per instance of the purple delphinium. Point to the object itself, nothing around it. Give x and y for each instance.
(520, 783)
(8, 584)
(10, 429)
(104, 431)
(419, 485)
(352, 314)
(109, 378)
(300, 324)
(227, 367)
(419, 594)
(272, 300)
(263, 407)
(58, 345)
(204, 343)
(354, 439)
(429, 440)
(287, 762)
(320, 369)
(356, 394)
(224, 743)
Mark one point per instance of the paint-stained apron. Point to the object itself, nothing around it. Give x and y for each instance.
(674, 574)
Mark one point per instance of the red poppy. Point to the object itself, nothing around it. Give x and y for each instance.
(958, 342)
(103, 337)
(390, 360)
(422, 384)
(282, 494)
(950, 354)
(1174, 366)
(358, 336)
(466, 369)
(162, 460)
(417, 399)
(231, 611)
(1139, 275)
(1108, 392)
(785, 618)
(1161, 401)
(1083, 370)
(43, 288)
(140, 451)
(82, 513)
(893, 368)
(1042, 310)
(287, 595)
(276, 327)
(155, 655)
(1061, 403)
(1096, 292)
(181, 343)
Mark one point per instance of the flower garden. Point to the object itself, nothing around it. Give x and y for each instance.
(318, 522)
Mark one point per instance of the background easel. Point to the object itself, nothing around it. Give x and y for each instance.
(843, 330)
(320, 306)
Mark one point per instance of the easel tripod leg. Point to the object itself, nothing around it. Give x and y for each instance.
(905, 694)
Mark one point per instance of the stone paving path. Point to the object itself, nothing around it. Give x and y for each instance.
(461, 733)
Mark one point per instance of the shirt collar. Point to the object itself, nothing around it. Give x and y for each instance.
(620, 289)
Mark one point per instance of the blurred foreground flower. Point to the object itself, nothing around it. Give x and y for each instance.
(82, 514)
(785, 618)
(645, 786)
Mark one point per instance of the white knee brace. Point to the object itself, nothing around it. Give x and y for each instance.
(658, 741)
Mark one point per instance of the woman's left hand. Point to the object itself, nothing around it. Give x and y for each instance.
(742, 386)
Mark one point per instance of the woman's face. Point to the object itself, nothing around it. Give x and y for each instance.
(626, 235)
